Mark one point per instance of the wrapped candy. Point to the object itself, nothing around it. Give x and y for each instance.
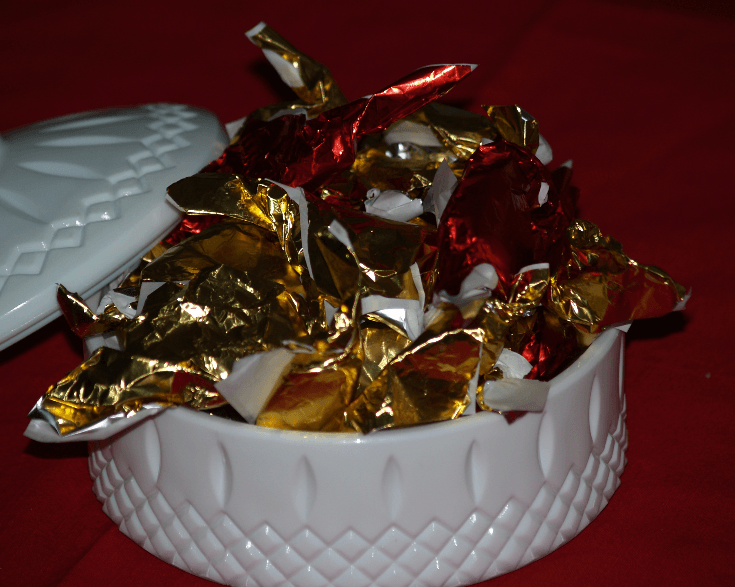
(358, 266)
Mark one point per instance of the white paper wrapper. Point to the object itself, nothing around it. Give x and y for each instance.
(405, 131)
(480, 283)
(544, 152)
(440, 191)
(405, 313)
(513, 365)
(393, 205)
(252, 381)
(512, 394)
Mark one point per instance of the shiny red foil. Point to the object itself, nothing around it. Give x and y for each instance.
(627, 290)
(550, 348)
(300, 152)
(191, 224)
(495, 216)
(308, 153)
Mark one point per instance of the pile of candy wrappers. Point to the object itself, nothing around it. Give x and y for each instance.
(357, 266)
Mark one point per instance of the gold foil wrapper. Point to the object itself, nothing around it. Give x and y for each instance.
(314, 393)
(432, 379)
(410, 167)
(460, 131)
(262, 203)
(200, 319)
(376, 167)
(353, 252)
(600, 285)
(515, 125)
(381, 343)
(310, 80)
(81, 319)
(427, 382)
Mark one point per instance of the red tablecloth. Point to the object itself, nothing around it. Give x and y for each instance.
(640, 95)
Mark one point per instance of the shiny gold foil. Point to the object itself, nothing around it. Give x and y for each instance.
(317, 90)
(378, 260)
(600, 285)
(381, 343)
(81, 319)
(81, 399)
(515, 125)
(411, 168)
(262, 203)
(374, 168)
(430, 379)
(460, 131)
(245, 247)
(527, 292)
(316, 390)
(199, 328)
(427, 382)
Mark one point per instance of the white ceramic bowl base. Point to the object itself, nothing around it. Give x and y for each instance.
(453, 503)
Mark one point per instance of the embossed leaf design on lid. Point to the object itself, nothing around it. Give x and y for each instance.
(83, 196)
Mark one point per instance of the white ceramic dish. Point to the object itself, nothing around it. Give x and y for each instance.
(452, 503)
(82, 197)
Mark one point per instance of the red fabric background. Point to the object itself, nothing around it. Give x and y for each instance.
(638, 93)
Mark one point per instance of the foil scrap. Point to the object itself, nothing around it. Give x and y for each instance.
(427, 382)
(515, 125)
(315, 391)
(301, 152)
(598, 285)
(505, 212)
(461, 132)
(262, 203)
(311, 81)
(352, 251)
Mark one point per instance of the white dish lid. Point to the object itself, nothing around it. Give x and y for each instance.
(82, 197)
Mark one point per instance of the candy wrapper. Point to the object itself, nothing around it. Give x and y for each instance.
(354, 266)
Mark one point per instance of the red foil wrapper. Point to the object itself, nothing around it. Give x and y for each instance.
(501, 213)
(300, 152)
(598, 285)
(293, 150)
(189, 225)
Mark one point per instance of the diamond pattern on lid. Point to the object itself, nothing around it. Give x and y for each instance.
(68, 237)
(29, 263)
(168, 121)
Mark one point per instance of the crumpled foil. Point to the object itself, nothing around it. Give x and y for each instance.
(353, 266)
